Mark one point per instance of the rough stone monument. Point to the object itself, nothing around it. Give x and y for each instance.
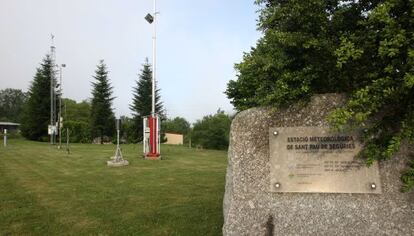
(288, 174)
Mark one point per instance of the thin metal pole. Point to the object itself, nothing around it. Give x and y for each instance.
(154, 55)
(52, 91)
(67, 141)
(144, 139)
(5, 138)
(117, 138)
(60, 109)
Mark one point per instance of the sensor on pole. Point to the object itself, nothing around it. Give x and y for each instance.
(152, 126)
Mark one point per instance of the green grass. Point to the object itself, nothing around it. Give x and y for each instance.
(44, 191)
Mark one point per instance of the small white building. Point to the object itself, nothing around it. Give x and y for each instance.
(174, 139)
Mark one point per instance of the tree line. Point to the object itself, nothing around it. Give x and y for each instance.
(93, 120)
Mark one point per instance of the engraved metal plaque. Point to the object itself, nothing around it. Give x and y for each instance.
(315, 160)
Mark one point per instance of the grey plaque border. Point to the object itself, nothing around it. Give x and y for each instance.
(365, 180)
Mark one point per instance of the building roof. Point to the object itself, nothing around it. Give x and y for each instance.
(173, 133)
(9, 124)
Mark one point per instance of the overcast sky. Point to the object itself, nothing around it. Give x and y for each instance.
(198, 44)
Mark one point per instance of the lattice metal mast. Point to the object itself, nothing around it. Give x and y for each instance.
(60, 117)
(52, 90)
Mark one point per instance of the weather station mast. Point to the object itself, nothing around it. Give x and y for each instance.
(152, 130)
(56, 120)
(52, 127)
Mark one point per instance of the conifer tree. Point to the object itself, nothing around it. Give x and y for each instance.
(142, 99)
(36, 113)
(102, 115)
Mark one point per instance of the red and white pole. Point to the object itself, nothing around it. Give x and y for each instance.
(153, 139)
(153, 119)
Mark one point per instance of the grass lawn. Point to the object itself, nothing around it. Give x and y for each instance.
(44, 191)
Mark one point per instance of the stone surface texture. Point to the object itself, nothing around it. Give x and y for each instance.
(251, 209)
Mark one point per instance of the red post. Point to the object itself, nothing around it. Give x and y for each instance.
(153, 142)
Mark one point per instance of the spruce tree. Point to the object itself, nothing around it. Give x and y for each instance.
(36, 113)
(102, 115)
(142, 99)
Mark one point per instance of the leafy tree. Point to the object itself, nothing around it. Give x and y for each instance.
(386, 43)
(142, 100)
(79, 131)
(11, 104)
(36, 113)
(127, 129)
(76, 119)
(212, 132)
(177, 125)
(74, 111)
(360, 48)
(102, 117)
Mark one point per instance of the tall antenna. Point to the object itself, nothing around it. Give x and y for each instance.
(154, 59)
(52, 127)
(60, 116)
(152, 123)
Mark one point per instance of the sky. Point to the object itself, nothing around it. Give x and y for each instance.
(198, 43)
